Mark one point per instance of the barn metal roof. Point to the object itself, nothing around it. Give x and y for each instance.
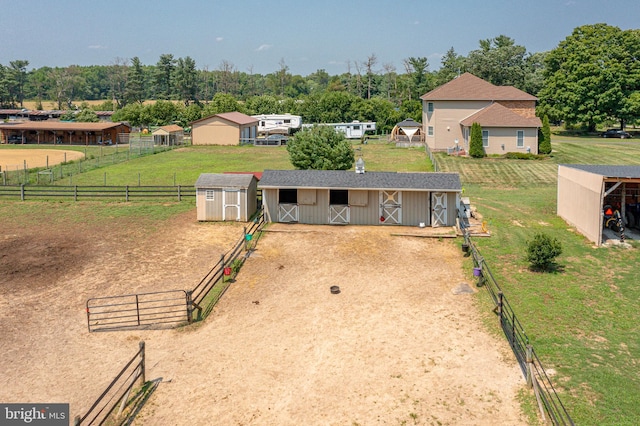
(345, 179)
(220, 180)
(608, 171)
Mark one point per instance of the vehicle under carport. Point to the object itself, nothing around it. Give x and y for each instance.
(585, 190)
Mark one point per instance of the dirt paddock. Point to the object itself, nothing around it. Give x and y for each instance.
(14, 159)
(397, 345)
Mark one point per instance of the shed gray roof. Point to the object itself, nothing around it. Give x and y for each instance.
(346, 179)
(632, 172)
(221, 180)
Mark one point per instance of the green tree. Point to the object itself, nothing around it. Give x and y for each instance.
(542, 251)
(134, 91)
(499, 61)
(87, 115)
(476, 150)
(117, 74)
(451, 66)
(186, 80)
(544, 138)
(163, 76)
(417, 69)
(19, 77)
(222, 102)
(320, 148)
(592, 76)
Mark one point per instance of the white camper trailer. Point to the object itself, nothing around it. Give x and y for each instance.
(353, 130)
(277, 123)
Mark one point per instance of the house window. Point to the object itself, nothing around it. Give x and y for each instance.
(209, 195)
(430, 131)
(485, 138)
(429, 107)
(520, 139)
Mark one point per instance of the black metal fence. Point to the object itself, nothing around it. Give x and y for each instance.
(137, 310)
(174, 307)
(549, 403)
(214, 284)
(76, 192)
(115, 403)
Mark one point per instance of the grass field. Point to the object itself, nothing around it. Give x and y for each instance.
(583, 320)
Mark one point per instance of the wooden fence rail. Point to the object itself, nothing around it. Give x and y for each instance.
(549, 403)
(117, 393)
(77, 192)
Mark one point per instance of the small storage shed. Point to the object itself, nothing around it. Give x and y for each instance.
(226, 197)
(584, 190)
(373, 198)
(168, 135)
(229, 128)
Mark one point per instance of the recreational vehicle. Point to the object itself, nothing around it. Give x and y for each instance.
(277, 123)
(353, 130)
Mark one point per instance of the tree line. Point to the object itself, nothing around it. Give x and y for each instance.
(592, 77)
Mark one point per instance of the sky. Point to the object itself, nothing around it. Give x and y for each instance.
(257, 36)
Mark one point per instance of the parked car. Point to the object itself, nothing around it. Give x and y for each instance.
(616, 133)
(273, 140)
(15, 139)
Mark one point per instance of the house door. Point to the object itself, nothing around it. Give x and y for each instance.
(390, 207)
(231, 204)
(438, 209)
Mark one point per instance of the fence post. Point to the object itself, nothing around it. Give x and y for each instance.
(142, 363)
(500, 295)
(75, 193)
(76, 421)
(126, 193)
(179, 195)
(189, 306)
(529, 360)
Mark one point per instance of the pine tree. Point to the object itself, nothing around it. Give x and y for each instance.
(544, 142)
(476, 150)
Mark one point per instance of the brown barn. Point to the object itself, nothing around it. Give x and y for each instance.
(70, 133)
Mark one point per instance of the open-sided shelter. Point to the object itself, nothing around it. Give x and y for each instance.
(62, 132)
(168, 135)
(368, 198)
(229, 128)
(584, 191)
(226, 197)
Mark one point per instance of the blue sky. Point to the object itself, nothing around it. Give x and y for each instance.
(256, 35)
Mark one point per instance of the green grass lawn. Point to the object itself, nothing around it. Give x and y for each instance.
(582, 320)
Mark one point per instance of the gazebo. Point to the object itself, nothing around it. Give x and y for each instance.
(408, 133)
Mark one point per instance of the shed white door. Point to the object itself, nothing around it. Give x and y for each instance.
(438, 209)
(338, 214)
(391, 207)
(231, 204)
(287, 212)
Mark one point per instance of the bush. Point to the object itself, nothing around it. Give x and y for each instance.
(522, 156)
(542, 251)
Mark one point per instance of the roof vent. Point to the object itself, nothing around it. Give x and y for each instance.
(360, 166)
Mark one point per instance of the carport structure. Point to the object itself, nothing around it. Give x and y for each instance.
(584, 191)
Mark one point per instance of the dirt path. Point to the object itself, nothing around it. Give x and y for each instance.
(396, 346)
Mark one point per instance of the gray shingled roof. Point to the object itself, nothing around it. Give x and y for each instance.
(346, 179)
(220, 180)
(608, 171)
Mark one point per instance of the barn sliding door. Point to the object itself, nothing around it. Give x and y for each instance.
(438, 209)
(391, 207)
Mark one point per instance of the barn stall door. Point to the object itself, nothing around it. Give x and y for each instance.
(231, 204)
(439, 209)
(391, 207)
(339, 213)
